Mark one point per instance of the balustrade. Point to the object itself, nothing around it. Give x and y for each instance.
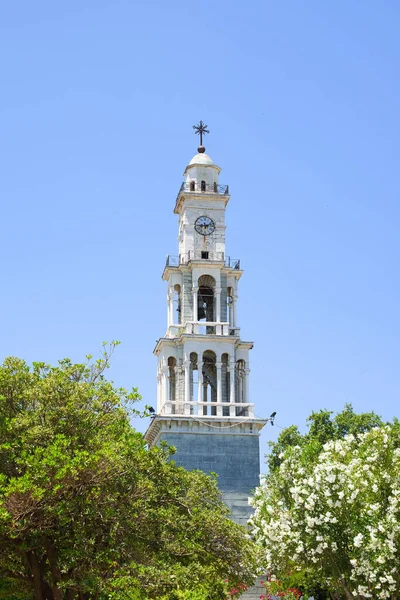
(203, 328)
(209, 409)
(202, 255)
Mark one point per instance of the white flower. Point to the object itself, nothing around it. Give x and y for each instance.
(358, 540)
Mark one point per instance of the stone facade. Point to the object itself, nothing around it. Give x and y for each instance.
(231, 451)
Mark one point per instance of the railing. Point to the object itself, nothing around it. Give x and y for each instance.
(202, 328)
(207, 328)
(209, 409)
(172, 261)
(233, 263)
(183, 259)
(204, 255)
(203, 187)
(234, 331)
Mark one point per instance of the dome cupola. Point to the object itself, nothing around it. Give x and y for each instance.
(201, 176)
(201, 173)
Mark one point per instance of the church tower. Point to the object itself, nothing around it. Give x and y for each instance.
(204, 407)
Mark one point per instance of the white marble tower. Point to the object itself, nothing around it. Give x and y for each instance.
(204, 407)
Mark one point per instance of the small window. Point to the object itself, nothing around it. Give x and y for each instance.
(203, 185)
(215, 187)
(204, 254)
(192, 186)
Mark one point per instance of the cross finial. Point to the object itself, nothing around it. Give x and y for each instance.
(200, 129)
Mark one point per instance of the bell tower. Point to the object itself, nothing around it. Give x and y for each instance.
(204, 407)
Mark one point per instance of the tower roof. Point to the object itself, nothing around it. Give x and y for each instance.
(202, 159)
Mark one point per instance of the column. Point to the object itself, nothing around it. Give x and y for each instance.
(164, 395)
(218, 304)
(246, 385)
(188, 397)
(234, 310)
(219, 381)
(168, 312)
(195, 305)
(200, 391)
(171, 305)
(159, 403)
(186, 365)
(232, 380)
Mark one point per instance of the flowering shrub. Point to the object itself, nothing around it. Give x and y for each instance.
(234, 592)
(337, 518)
(274, 588)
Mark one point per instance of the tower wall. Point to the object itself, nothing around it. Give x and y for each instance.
(227, 447)
(234, 458)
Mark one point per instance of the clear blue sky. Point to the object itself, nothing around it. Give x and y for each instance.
(98, 100)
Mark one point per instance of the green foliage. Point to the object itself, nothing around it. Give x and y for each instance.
(323, 426)
(87, 511)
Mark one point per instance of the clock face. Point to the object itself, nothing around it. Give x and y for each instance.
(204, 225)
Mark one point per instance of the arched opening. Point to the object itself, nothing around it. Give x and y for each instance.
(225, 383)
(203, 185)
(206, 302)
(177, 303)
(209, 381)
(172, 381)
(192, 186)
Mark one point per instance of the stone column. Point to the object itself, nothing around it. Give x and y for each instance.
(219, 381)
(232, 380)
(246, 385)
(186, 365)
(158, 391)
(168, 312)
(218, 304)
(200, 391)
(164, 394)
(195, 305)
(170, 306)
(234, 310)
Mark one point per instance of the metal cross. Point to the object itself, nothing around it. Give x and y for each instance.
(200, 129)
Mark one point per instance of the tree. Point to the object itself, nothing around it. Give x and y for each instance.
(334, 520)
(323, 426)
(87, 511)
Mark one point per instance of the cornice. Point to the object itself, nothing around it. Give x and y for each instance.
(187, 425)
(196, 196)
